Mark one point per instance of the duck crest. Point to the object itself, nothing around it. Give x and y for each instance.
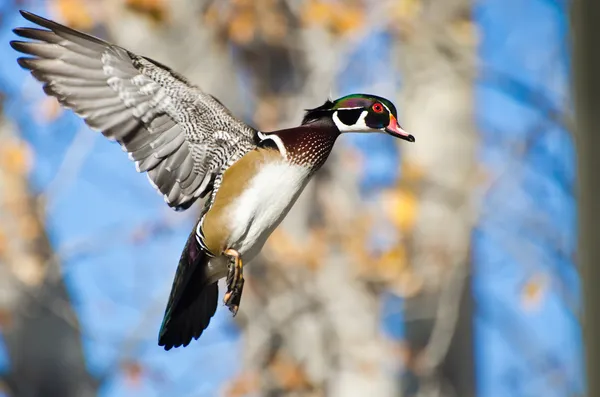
(314, 114)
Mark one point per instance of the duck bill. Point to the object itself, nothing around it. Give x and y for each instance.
(395, 130)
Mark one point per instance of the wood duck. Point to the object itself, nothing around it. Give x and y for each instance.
(190, 146)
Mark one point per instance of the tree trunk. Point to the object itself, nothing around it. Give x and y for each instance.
(38, 323)
(311, 323)
(438, 70)
(586, 61)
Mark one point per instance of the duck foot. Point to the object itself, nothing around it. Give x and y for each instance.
(235, 281)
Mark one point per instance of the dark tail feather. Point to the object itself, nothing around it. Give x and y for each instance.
(192, 302)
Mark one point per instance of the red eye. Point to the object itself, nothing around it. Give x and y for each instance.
(378, 108)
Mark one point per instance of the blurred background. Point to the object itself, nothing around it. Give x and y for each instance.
(440, 268)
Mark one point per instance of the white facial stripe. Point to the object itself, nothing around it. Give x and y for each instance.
(277, 141)
(388, 109)
(359, 126)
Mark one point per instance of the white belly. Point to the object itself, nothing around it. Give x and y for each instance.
(263, 205)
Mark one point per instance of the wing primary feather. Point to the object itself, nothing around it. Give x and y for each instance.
(63, 31)
(130, 127)
(37, 34)
(181, 136)
(55, 51)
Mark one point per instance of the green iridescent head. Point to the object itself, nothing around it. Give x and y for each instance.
(360, 113)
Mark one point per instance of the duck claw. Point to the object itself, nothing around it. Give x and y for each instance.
(235, 281)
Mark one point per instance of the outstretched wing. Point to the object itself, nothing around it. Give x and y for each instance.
(176, 133)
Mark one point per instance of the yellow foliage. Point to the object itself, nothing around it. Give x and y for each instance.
(75, 13)
(317, 12)
(155, 9)
(347, 19)
(16, 157)
(340, 18)
(465, 31)
(400, 205)
(242, 27)
(390, 269)
(391, 264)
(407, 9)
(412, 171)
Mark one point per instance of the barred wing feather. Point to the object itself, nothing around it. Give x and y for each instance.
(179, 135)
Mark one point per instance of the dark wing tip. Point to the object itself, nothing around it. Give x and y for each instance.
(169, 340)
(26, 63)
(166, 345)
(20, 46)
(19, 31)
(176, 335)
(31, 33)
(34, 17)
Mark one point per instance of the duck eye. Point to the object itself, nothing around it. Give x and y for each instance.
(378, 108)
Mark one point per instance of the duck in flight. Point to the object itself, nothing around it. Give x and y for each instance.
(191, 147)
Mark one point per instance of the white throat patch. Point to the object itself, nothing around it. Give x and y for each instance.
(276, 140)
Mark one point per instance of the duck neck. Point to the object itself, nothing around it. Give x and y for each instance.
(309, 144)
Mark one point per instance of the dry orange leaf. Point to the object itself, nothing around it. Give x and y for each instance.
(533, 291)
(156, 9)
(133, 372)
(16, 157)
(391, 264)
(50, 109)
(6, 318)
(401, 206)
(289, 374)
(347, 20)
(408, 284)
(29, 228)
(242, 27)
(412, 171)
(244, 385)
(75, 13)
(317, 13)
